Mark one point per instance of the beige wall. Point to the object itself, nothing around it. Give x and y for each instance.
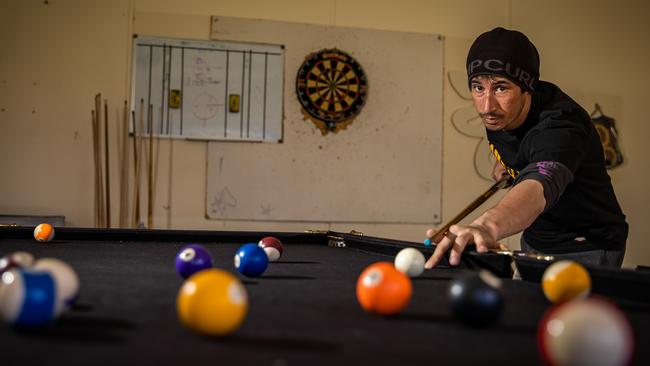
(55, 57)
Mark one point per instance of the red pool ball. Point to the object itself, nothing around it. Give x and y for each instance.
(16, 260)
(273, 248)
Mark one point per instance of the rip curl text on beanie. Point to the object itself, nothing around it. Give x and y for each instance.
(506, 53)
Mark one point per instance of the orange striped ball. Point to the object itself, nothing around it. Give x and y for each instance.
(44, 233)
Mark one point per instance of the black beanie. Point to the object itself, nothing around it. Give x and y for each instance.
(505, 53)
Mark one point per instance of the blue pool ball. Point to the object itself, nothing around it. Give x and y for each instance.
(251, 260)
(65, 278)
(427, 242)
(191, 259)
(27, 297)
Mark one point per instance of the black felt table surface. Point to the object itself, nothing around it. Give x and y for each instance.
(303, 311)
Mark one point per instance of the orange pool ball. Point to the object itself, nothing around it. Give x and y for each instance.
(383, 290)
(44, 233)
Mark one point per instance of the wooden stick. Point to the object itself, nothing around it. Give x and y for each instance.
(170, 183)
(108, 175)
(150, 161)
(118, 142)
(141, 158)
(120, 165)
(100, 165)
(96, 167)
(124, 183)
(155, 158)
(505, 181)
(136, 175)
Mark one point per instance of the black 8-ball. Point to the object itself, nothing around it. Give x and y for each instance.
(475, 298)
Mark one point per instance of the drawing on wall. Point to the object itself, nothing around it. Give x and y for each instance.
(223, 202)
(205, 107)
(467, 122)
(332, 89)
(190, 87)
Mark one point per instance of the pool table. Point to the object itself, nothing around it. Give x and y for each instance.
(303, 309)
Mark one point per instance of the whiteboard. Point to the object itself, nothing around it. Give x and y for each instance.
(385, 167)
(207, 89)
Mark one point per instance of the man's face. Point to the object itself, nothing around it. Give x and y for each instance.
(501, 104)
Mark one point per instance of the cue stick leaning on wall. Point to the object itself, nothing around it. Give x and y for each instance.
(108, 175)
(140, 157)
(124, 176)
(100, 165)
(95, 166)
(136, 174)
(156, 154)
(150, 162)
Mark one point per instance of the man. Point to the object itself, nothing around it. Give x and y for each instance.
(562, 198)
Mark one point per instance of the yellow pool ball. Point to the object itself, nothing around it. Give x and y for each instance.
(565, 280)
(44, 233)
(212, 302)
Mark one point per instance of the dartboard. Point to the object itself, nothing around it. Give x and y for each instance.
(331, 86)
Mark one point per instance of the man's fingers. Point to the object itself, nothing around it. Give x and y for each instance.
(430, 233)
(456, 251)
(441, 248)
(456, 239)
(481, 244)
(462, 238)
(484, 242)
(458, 230)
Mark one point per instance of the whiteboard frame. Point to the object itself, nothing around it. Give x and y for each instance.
(275, 122)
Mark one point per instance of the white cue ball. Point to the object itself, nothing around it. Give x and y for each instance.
(410, 261)
(587, 332)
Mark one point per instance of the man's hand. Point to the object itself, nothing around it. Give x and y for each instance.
(458, 237)
(516, 211)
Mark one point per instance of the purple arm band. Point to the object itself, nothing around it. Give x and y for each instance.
(553, 176)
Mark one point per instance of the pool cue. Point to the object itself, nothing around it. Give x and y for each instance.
(95, 165)
(519, 254)
(100, 165)
(136, 174)
(124, 181)
(118, 148)
(140, 159)
(168, 207)
(505, 181)
(108, 175)
(150, 162)
(155, 157)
